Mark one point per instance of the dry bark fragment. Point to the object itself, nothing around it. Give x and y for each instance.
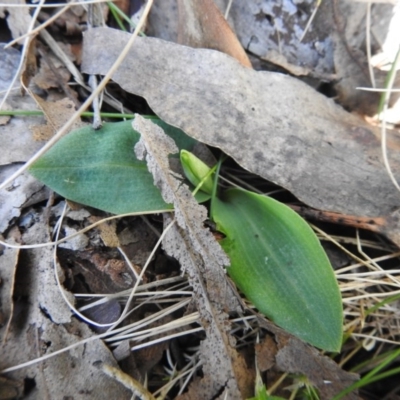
(203, 259)
(296, 357)
(273, 125)
(45, 325)
(201, 24)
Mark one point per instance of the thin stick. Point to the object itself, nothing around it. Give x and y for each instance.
(366, 89)
(23, 55)
(368, 44)
(310, 20)
(53, 5)
(228, 8)
(39, 27)
(88, 228)
(129, 382)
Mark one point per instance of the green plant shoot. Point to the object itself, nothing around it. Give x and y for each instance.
(276, 259)
(279, 264)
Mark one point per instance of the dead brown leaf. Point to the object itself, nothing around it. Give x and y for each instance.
(10, 389)
(29, 69)
(108, 232)
(265, 353)
(71, 22)
(294, 356)
(271, 124)
(57, 114)
(201, 24)
(46, 78)
(125, 5)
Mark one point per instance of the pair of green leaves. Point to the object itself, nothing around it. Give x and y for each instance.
(276, 259)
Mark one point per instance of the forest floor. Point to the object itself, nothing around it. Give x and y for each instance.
(107, 293)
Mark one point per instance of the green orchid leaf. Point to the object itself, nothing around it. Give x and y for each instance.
(196, 170)
(201, 197)
(262, 394)
(280, 266)
(100, 169)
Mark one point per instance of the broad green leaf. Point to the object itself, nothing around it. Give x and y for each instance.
(196, 170)
(262, 394)
(279, 264)
(200, 196)
(100, 169)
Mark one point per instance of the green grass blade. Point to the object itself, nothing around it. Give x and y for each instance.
(372, 376)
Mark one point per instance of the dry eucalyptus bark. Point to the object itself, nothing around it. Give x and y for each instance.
(291, 355)
(201, 257)
(42, 324)
(273, 125)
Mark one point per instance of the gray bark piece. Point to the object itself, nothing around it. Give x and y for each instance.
(274, 27)
(42, 324)
(24, 191)
(271, 124)
(200, 256)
